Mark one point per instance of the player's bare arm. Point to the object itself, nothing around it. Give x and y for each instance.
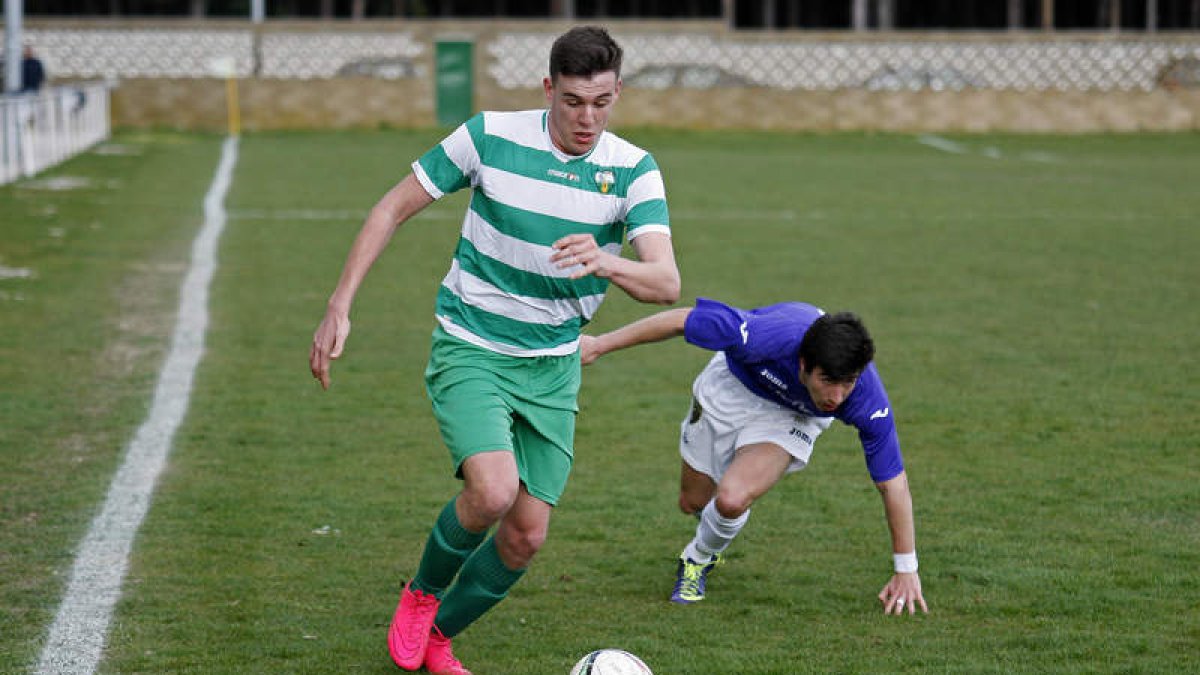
(398, 205)
(653, 328)
(903, 590)
(653, 277)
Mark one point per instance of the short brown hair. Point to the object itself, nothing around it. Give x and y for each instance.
(583, 52)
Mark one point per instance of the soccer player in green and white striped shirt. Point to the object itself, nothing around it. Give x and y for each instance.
(553, 197)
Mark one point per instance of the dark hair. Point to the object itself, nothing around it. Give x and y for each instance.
(839, 344)
(583, 52)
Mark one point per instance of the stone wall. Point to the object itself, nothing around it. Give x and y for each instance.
(343, 103)
(366, 103)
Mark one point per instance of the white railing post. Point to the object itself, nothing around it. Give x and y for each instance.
(25, 147)
(9, 168)
(40, 131)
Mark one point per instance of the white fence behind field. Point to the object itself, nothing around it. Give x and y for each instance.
(656, 59)
(41, 130)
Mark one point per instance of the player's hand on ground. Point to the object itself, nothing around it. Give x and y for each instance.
(581, 252)
(328, 343)
(589, 349)
(903, 593)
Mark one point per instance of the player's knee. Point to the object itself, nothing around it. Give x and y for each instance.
(517, 546)
(733, 503)
(497, 503)
(487, 504)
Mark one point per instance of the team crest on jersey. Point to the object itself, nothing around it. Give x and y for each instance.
(605, 180)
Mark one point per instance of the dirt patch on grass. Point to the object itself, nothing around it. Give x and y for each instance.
(146, 302)
(137, 336)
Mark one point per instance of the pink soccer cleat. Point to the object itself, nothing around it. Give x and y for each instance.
(439, 660)
(408, 638)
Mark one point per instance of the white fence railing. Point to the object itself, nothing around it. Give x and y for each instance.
(41, 130)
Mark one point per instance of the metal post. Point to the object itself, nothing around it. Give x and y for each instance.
(1151, 16)
(257, 11)
(1014, 14)
(13, 41)
(858, 15)
(1048, 15)
(886, 11)
(563, 9)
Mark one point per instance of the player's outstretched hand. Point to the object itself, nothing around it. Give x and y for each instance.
(328, 343)
(903, 592)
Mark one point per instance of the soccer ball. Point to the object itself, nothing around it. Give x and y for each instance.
(610, 662)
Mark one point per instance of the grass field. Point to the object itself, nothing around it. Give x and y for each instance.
(1033, 298)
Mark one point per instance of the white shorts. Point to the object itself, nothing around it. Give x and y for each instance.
(725, 416)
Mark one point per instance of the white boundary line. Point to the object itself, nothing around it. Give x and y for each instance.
(943, 144)
(991, 152)
(77, 637)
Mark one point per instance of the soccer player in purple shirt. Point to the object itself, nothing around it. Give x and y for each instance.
(781, 375)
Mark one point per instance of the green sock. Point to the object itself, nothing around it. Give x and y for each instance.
(484, 581)
(448, 546)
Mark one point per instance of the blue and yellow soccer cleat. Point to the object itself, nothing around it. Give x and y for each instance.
(690, 579)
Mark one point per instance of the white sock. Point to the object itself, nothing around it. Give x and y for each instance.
(713, 534)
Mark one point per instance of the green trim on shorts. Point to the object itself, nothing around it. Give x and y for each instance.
(484, 401)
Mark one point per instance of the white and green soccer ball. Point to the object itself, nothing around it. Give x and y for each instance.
(610, 662)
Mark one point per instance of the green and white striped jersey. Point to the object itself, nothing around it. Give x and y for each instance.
(502, 292)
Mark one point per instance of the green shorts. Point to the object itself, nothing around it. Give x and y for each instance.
(484, 401)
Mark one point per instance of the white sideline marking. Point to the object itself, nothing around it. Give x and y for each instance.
(80, 629)
(991, 152)
(15, 272)
(943, 144)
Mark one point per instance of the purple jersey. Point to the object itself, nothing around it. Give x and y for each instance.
(762, 348)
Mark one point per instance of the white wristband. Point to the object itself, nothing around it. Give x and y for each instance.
(905, 562)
